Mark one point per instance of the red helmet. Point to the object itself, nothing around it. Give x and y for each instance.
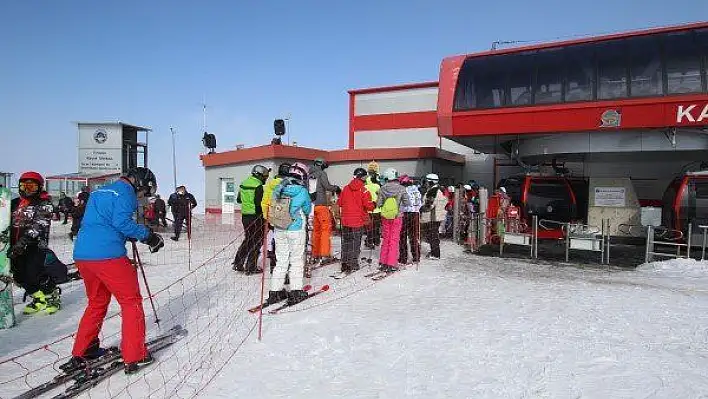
(404, 180)
(33, 176)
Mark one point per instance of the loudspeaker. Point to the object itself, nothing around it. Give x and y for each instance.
(279, 126)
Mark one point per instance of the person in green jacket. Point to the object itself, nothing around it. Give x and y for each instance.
(250, 196)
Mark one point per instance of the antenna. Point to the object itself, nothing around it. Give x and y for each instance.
(204, 112)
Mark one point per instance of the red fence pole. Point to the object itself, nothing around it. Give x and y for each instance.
(263, 273)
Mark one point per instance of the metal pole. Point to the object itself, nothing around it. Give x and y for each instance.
(263, 273)
(608, 241)
(456, 216)
(688, 244)
(703, 247)
(649, 245)
(136, 255)
(174, 158)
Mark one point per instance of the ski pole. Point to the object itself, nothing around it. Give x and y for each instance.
(136, 254)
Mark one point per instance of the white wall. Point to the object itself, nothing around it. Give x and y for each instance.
(396, 102)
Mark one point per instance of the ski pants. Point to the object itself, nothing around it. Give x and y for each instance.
(290, 251)
(373, 230)
(409, 233)
(253, 228)
(179, 220)
(322, 232)
(391, 236)
(103, 278)
(431, 230)
(29, 272)
(351, 247)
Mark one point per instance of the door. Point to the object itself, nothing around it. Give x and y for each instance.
(228, 196)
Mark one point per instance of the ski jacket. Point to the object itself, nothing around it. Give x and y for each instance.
(160, 207)
(355, 203)
(393, 189)
(373, 188)
(268, 193)
(181, 204)
(415, 198)
(108, 223)
(250, 196)
(300, 203)
(323, 185)
(433, 209)
(31, 220)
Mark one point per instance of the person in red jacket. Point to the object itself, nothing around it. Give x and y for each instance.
(355, 204)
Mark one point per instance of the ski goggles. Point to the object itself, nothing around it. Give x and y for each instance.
(29, 186)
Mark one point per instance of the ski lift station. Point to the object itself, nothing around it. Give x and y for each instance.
(620, 123)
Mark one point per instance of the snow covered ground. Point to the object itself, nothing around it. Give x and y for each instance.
(464, 326)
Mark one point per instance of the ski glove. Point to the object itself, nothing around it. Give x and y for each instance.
(19, 248)
(154, 242)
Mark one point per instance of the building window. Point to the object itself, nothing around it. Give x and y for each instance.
(580, 73)
(490, 82)
(702, 42)
(464, 92)
(548, 88)
(611, 70)
(645, 67)
(521, 67)
(683, 63)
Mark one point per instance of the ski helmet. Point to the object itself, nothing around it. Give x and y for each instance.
(451, 189)
(283, 169)
(26, 188)
(373, 167)
(144, 180)
(468, 187)
(390, 174)
(260, 172)
(298, 172)
(405, 180)
(321, 163)
(360, 173)
(432, 178)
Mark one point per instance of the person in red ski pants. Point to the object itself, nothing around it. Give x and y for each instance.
(101, 258)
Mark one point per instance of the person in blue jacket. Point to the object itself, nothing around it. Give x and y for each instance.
(101, 257)
(290, 242)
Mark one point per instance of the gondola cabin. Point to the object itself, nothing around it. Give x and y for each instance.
(550, 198)
(686, 201)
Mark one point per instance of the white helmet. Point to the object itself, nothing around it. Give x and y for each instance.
(390, 174)
(451, 189)
(432, 177)
(468, 187)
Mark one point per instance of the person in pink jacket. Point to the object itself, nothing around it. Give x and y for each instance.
(391, 221)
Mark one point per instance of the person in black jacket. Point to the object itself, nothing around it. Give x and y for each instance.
(78, 214)
(66, 206)
(181, 202)
(160, 210)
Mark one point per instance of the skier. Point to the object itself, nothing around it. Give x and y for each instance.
(322, 226)
(392, 197)
(373, 233)
(411, 222)
(78, 214)
(100, 256)
(432, 213)
(355, 202)
(268, 188)
(66, 206)
(160, 210)
(29, 243)
(250, 196)
(181, 202)
(290, 242)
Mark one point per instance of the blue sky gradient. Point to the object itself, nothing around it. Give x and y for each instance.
(152, 63)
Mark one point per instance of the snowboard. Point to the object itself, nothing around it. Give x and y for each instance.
(7, 312)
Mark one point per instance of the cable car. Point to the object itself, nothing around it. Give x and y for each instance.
(686, 201)
(548, 197)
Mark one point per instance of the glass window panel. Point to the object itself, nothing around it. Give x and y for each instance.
(612, 70)
(464, 93)
(683, 63)
(521, 67)
(645, 67)
(549, 77)
(490, 82)
(701, 37)
(580, 73)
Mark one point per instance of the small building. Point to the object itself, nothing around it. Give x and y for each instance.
(72, 183)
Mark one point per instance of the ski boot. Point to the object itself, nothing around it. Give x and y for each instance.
(387, 269)
(134, 367)
(296, 296)
(38, 304)
(79, 362)
(53, 301)
(276, 296)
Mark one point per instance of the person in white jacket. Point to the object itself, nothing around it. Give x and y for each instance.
(432, 213)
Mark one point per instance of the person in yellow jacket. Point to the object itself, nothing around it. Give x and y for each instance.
(373, 232)
(265, 204)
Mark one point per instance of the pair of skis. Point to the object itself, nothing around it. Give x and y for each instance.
(100, 369)
(381, 274)
(286, 304)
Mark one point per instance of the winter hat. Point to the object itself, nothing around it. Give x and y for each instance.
(373, 167)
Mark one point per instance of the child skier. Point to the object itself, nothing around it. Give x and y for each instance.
(100, 256)
(290, 241)
(392, 196)
(29, 243)
(411, 222)
(355, 203)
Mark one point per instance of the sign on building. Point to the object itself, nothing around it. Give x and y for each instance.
(100, 149)
(610, 196)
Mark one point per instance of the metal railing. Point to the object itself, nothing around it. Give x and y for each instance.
(588, 238)
(667, 237)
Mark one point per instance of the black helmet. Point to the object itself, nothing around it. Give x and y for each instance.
(321, 163)
(284, 169)
(360, 173)
(145, 181)
(260, 172)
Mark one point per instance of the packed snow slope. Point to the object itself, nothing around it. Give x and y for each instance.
(477, 327)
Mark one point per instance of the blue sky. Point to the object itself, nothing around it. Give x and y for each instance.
(152, 63)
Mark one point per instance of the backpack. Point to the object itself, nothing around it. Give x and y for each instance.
(389, 209)
(279, 213)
